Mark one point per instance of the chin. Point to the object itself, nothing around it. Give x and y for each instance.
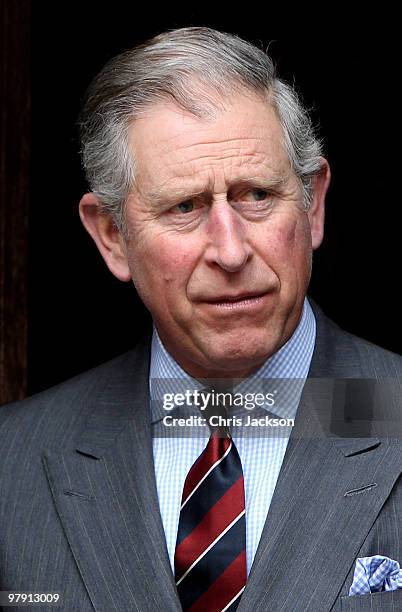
(239, 356)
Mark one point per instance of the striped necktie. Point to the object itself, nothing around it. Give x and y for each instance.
(210, 556)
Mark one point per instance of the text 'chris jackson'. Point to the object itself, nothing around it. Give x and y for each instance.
(220, 421)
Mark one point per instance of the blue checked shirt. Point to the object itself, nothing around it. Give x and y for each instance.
(261, 454)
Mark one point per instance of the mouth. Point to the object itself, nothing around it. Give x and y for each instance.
(236, 302)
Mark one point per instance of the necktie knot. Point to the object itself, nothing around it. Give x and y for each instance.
(216, 407)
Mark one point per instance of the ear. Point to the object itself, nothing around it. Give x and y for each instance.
(107, 237)
(316, 213)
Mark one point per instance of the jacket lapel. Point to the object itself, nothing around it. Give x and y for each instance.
(105, 493)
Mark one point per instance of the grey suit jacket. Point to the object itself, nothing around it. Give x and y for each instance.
(79, 511)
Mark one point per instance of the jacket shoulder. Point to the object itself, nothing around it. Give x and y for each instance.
(340, 353)
(62, 410)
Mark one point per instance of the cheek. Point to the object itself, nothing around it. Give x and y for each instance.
(284, 240)
(292, 246)
(302, 238)
(162, 261)
(287, 237)
(302, 253)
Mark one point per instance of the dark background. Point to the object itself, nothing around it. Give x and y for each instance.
(347, 70)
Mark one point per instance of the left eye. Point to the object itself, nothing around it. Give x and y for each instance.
(259, 194)
(185, 207)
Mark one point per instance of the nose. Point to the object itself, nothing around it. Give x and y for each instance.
(228, 245)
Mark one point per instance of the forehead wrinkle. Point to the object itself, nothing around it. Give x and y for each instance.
(189, 169)
(237, 170)
(240, 159)
(236, 156)
(233, 147)
(224, 141)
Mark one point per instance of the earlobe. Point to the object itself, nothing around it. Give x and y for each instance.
(106, 236)
(316, 213)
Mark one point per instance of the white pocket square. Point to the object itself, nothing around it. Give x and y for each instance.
(373, 574)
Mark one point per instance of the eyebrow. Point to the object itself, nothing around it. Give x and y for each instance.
(264, 182)
(159, 197)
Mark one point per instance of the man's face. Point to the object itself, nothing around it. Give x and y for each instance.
(219, 245)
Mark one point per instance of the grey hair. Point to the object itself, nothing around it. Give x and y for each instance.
(197, 68)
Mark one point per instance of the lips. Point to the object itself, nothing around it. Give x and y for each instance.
(248, 295)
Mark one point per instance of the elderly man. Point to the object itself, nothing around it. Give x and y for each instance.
(207, 191)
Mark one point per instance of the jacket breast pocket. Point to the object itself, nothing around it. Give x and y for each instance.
(386, 601)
